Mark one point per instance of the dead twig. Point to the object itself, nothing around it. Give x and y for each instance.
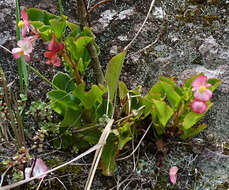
(3, 175)
(97, 5)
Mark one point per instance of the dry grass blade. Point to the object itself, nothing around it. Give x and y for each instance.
(98, 153)
(147, 16)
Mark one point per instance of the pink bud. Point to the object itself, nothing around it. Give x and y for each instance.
(173, 174)
(199, 106)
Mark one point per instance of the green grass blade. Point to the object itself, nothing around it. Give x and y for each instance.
(22, 69)
(60, 7)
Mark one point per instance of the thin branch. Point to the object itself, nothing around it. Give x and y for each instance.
(97, 5)
(82, 11)
(3, 175)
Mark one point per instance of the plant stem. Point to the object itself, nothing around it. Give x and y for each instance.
(74, 67)
(60, 7)
(83, 15)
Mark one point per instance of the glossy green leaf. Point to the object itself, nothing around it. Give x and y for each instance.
(65, 99)
(73, 26)
(88, 99)
(214, 83)
(157, 92)
(192, 118)
(37, 24)
(35, 14)
(58, 26)
(173, 97)
(45, 32)
(168, 80)
(164, 112)
(62, 81)
(108, 156)
(113, 71)
(71, 117)
(193, 131)
(81, 43)
(125, 134)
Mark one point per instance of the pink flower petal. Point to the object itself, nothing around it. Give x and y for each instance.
(24, 15)
(39, 168)
(26, 45)
(203, 96)
(199, 81)
(17, 52)
(26, 27)
(27, 58)
(28, 172)
(173, 174)
(24, 30)
(198, 106)
(54, 45)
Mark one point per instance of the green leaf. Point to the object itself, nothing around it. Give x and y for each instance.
(191, 118)
(37, 24)
(45, 32)
(193, 131)
(125, 134)
(173, 97)
(89, 98)
(73, 26)
(214, 83)
(67, 100)
(35, 14)
(168, 80)
(157, 92)
(62, 81)
(164, 112)
(113, 71)
(58, 26)
(71, 117)
(81, 44)
(108, 156)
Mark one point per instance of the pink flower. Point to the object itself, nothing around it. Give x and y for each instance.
(199, 106)
(24, 25)
(54, 45)
(201, 92)
(53, 48)
(173, 174)
(24, 49)
(52, 58)
(37, 169)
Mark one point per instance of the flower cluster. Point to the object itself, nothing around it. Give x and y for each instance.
(201, 94)
(54, 47)
(25, 46)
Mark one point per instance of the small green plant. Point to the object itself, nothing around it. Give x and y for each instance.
(173, 110)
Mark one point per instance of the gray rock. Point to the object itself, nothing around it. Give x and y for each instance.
(209, 47)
